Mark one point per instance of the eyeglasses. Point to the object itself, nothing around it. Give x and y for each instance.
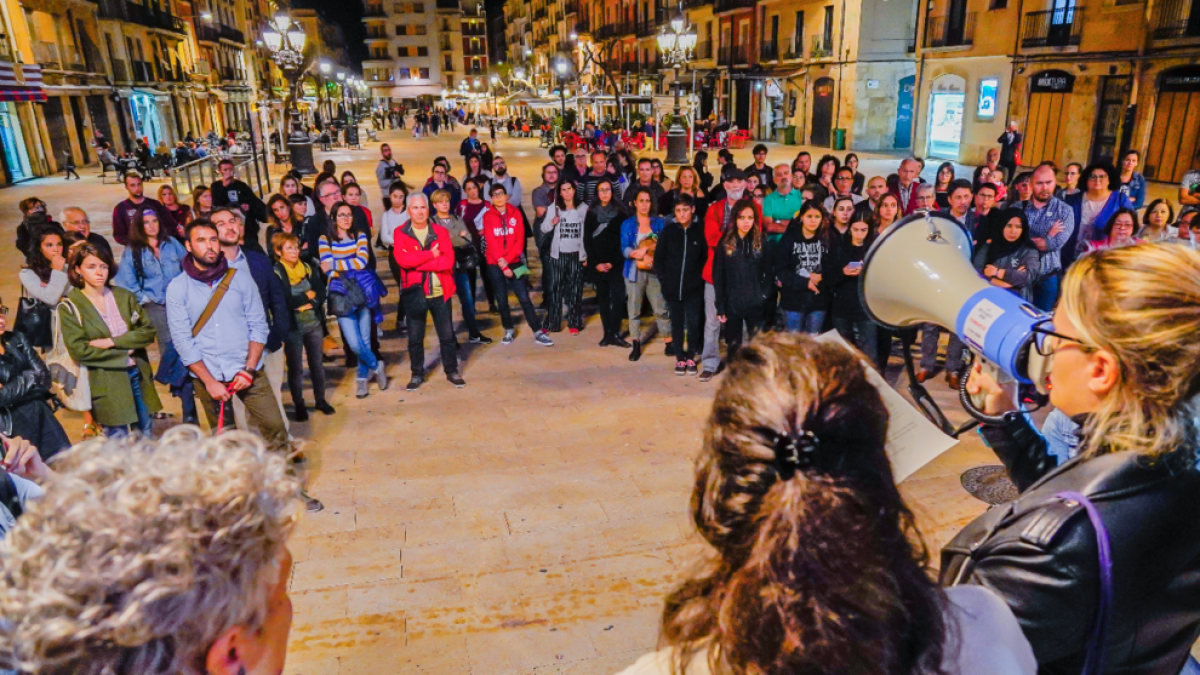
(345, 215)
(1047, 341)
(3, 310)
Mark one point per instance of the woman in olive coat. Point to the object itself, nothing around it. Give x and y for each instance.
(106, 330)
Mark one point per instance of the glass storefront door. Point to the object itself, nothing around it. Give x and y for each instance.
(15, 155)
(945, 125)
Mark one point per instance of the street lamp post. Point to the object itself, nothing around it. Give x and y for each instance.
(675, 43)
(560, 66)
(286, 39)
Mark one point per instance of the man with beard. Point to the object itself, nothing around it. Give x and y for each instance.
(803, 166)
(387, 171)
(230, 230)
(1051, 222)
(124, 212)
(645, 172)
(230, 191)
(499, 176)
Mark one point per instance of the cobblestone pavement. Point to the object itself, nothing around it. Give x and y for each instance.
(530, 523)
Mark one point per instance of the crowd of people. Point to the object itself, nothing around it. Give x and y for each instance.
(818, 565)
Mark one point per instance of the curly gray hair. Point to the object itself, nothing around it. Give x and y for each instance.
(142, 553)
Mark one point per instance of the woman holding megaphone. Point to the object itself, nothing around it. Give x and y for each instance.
(1099, 558)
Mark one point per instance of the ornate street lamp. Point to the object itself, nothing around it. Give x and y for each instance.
(675, 43)
(286, 39)
(563, 69)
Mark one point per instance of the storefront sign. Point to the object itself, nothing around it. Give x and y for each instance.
(1052, 82)
(1186, 79)
(987, 98)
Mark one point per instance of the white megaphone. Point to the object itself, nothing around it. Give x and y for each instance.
(919, 271)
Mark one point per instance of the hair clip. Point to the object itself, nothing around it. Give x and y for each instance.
(794, 451)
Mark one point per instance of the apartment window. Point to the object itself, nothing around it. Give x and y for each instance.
(827, 30)
(799, 31)
(401, 30)
(423, 73)
(1001, 4)
(449, 65)
(422, 51)
(420, 30)
(475, 64)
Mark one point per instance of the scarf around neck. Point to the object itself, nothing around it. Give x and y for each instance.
(295, 273)
(209, 275)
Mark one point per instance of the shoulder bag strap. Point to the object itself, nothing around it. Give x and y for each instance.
(1097, 643)
(214, 301)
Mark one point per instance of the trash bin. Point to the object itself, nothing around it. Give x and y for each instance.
(839, 139)
(789, 135)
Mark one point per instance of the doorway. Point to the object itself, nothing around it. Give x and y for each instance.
(822, 115)
(741, 104)
(946, 104)
(904, 113)
(1175, 136)
(80, 129)
(16, 159)
(1109, 117)
(56, 126)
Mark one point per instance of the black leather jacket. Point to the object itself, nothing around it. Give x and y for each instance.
(1039, 553)
(23, 377)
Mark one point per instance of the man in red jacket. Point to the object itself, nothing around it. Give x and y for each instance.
(905, 190)
(504, 239)
(716, 220)
(425, 255)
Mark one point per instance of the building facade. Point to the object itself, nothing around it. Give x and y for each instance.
(124, 70)
(1082, 83)
(422, 49)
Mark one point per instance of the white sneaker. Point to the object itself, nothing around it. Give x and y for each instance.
(509, 337)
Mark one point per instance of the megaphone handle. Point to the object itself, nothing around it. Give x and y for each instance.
(974, 403)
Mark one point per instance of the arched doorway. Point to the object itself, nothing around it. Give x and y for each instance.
(1175, 135)
(822, 115)
(947, 99)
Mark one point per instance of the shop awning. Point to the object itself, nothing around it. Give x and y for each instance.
(147, 91)
(13, 90)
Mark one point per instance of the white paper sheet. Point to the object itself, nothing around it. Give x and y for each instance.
(913, 441)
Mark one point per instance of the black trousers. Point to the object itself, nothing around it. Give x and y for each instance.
(416, 306)
(610, 296)
(502, 285)
(687, 315)
(298, 345)
(733, 328)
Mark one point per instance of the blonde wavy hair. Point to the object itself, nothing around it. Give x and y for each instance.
(1141, 304)
(142, 553)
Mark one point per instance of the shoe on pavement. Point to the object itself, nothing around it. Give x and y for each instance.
(311, 504)
(691, 367)
(706, 375)
(509, 337)
(381, 377)
(480, 340)
(415, 383)
(636, 352)
(301, 413)
(543, 339)
(953, 380)
(618, 341)
(606, 341)
(670, 351)
(360, 389)
(681, 367)
(324, 407)
(456, 380)
(574, 331)
(923, 375)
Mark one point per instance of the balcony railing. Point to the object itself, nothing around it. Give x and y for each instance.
(613, 30)
(939, 32)
(377, 34)
(704, 50)
(631, 67)
(822, 48)
(730, 5)
(1176, 19)
(374, 12)
(737, 55)
(143, 15)
(449, 4)
(120, 71)
(1052, 28)
(769, 51)
(143, 71)
(206, 32)
(793, 50)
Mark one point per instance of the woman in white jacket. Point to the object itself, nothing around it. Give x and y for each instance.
(564, 223)
(818, 566)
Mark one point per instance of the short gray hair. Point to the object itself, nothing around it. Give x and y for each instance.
(142, 553)
(415, 197)
(62, 215)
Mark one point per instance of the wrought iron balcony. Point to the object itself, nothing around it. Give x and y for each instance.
(120, 71)
(1052, 28)
(769, 51)
(736, 55)
(703, 50)
(822, 48)
(1176, 19)
(142, 15)
(374, 12)
(940, 32)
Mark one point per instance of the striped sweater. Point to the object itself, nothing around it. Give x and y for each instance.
(345, 254)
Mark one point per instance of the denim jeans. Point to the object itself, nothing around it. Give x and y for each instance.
(1045, 292)
(357, 330)
(1192, 667)
(808, 322)
(145, 423)
(863, 334)
(465, 287)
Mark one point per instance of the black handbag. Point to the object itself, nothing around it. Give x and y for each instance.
(347, 299)
(465, 259)
(33, 321)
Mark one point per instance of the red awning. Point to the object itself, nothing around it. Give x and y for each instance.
(11, 89)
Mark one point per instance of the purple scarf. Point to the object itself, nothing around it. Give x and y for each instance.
(207, 275)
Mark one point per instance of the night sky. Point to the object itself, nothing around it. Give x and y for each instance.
(347, 14)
